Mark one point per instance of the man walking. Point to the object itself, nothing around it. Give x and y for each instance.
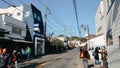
(28, 51)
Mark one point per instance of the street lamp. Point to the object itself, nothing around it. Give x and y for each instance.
(86, 28)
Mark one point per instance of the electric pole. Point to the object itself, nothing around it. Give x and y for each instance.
(65, 29)
(45, 15)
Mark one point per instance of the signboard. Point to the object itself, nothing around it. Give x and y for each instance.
(38, 34)
(36, 27)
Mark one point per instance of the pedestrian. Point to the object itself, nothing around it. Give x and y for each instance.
(96, 56)
(28, 51)
(22, 53)
(80, 49)
(0, 50)
(104, 58)
(4, 59)
(84, 55)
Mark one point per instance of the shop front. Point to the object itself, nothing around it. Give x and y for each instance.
(39, 46)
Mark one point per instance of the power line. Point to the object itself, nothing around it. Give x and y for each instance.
(76, 15)
(21, 1)
(51, 13)
(41, 3)
(57, 21)
(16, 8)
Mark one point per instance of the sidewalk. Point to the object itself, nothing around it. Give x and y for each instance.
(113, 56)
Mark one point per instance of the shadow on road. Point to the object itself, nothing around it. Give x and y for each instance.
(90, 65)
(34, 65)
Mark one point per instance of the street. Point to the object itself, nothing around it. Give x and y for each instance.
(69, 59)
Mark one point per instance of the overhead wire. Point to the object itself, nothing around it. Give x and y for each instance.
(21, 1)
(16, 8)
(76, 15)
(24, 12)
(51, 13)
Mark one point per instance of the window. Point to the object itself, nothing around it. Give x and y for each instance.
(16, 30)
(110, 3)
(35, 15)
(18, 14)
(9, 15)
(39, 19)
(99, 29)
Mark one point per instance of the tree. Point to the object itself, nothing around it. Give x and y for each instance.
(61, 35)
(56, 41)
(74, 38)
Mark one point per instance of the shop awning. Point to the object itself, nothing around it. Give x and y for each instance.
(22, 41)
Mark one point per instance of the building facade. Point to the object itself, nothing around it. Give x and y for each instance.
(111, 15)
(24, 22)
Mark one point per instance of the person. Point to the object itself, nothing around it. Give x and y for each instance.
(0, 50)
(104, 58)
(22, 53)
(4, 59)
(28, 51)
(96, 56)
(85, 57)
(80, 49)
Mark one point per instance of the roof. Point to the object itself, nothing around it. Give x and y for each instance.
(22, 41)
(95, 36)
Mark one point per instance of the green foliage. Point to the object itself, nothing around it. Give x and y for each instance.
(61, 35)
(74, 38)
(57, 42)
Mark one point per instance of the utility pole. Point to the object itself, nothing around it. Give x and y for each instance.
(45, 15)
(65, 29)
(87, 28)
(88, 35)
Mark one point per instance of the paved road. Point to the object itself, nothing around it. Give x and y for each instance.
(69, 59)
(66, 60)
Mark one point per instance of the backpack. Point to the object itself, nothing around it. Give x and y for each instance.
(14, 58)
(94, 53)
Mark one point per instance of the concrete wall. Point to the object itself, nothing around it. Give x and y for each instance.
(97, 41)
(111, 19)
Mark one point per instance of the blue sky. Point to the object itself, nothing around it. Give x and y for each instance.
(62, 14)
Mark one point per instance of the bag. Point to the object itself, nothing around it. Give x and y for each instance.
(14, 58)
(81, 55)
(94, 53)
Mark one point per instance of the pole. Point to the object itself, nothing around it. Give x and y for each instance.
(46, 10)
(88, 35)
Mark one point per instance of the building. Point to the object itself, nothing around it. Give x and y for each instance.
(97, 40)
(100, 20)
(26, 24)
(111, 20)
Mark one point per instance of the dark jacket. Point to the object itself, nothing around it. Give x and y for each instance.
(4, 60)
(86, 54)
(97, 54)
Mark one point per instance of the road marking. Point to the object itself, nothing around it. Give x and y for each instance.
(43, 64)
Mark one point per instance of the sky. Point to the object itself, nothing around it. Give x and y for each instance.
(61, 16)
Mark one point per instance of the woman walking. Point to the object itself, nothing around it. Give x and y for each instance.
(85, 56)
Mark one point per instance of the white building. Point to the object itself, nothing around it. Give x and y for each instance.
(98, 40)
(16, 28)
(100, 20)
(20, 22)
(111, 15)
